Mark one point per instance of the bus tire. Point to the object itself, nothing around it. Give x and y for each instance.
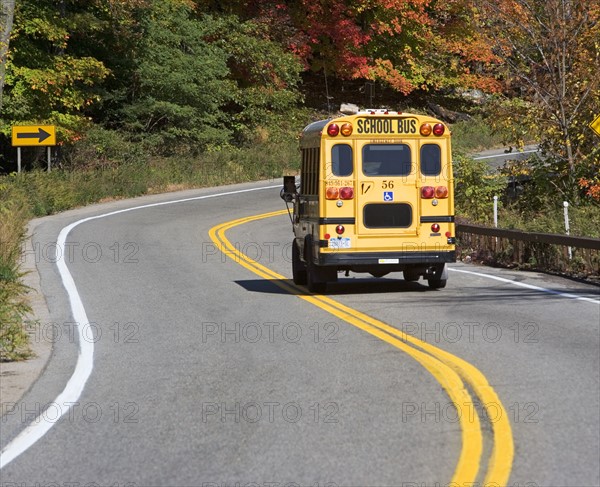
(298, 267)
(410, 275)
(439, 279)
(314, 286)
(314, 280)
(437, 283)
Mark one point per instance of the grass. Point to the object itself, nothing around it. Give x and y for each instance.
(13, 304)
(475, 135)
(584, 221)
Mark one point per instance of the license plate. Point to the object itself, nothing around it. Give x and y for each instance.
(339, 243)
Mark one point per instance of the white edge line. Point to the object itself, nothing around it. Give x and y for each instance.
(85, 360)
(528, 286)
(505, 154)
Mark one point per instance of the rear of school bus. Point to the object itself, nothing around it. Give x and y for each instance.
(383, 200)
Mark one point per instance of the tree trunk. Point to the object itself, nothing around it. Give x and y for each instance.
(7, 11)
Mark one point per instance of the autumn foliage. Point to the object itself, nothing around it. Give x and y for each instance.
(204, 74)
(73, 63)
(551, 51)
(408, 44)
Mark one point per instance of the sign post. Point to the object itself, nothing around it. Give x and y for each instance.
(33, 136)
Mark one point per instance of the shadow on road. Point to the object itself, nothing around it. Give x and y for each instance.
(453, 294)
(342, 287)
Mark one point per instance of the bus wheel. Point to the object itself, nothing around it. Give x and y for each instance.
(437, 283)
(298, 267)
(410, 275)
(314, 279)
(439, 278)
(314, 286)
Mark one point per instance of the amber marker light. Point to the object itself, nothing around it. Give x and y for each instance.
(332, 193)
(346, 129)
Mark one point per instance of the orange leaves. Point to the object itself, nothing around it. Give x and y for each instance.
(591, 187)
(424, 43)
(385, 70)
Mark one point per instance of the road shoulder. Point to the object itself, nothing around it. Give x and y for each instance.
(16, 378)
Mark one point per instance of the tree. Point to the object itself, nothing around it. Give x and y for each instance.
(7, 10)
(47, 80)
(265, 74)
(201, 81)
(551, 51)
(408, 44)
(429, 46)
(179, 79)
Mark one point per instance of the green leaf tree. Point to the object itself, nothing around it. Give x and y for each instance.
(7, 11)
(202, 81)
(47, 79)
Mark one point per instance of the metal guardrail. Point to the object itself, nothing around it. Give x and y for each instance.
(543, 251)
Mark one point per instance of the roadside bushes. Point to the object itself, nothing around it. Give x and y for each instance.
(13, 304)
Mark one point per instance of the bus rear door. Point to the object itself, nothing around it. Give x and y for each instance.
(386, 192)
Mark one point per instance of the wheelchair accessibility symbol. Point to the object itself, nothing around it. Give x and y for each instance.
(388, 196)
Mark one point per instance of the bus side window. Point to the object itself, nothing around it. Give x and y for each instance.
(341, 160)
(431, 160)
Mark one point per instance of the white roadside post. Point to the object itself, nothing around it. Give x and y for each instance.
(496, 211)
(567, 229)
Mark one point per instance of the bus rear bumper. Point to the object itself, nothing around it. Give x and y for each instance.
(348, 260)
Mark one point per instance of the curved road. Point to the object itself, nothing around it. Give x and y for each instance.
(207, 373)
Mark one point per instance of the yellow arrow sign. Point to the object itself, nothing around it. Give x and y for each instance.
(37, 135)
(595, 125)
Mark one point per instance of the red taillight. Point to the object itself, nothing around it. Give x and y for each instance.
(346, 193)
(427, 192)
(333, 130)
(339, 229)
(441, 192)
(425, 129)
(332, 193)
(448, 234)
(346, 129)
(327, 236)
(435, 228)
(439, 129)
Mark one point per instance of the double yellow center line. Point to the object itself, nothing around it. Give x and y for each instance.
(449, 370)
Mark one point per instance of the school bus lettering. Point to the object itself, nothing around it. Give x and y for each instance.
(386, 126)
(407, 126)
(376, 195)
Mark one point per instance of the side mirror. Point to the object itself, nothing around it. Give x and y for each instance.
(288, 192)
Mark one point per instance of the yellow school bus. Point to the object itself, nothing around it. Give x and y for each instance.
(375, 195)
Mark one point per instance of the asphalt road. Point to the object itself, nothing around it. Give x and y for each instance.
(205, 373)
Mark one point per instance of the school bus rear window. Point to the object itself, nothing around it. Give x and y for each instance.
(341, 160)
(386, 160)
(431, 159)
